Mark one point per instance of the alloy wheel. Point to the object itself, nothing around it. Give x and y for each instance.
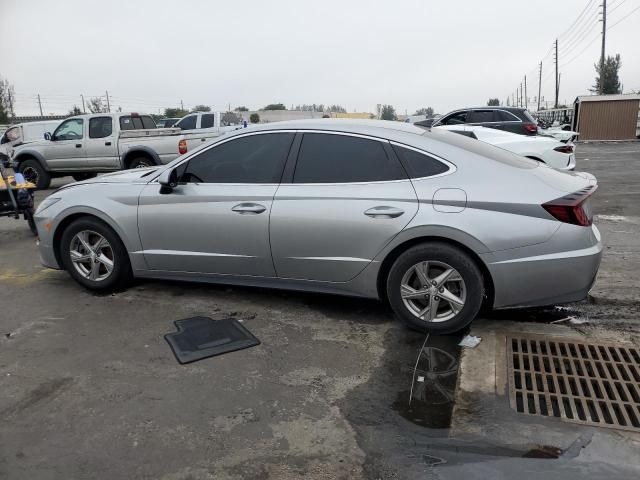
(433, 291)
(91, 255)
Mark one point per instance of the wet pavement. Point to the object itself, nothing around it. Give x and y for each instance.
(337, 388)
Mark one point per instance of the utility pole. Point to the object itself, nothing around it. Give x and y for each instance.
(84, 110)
(40, 105)
(539, 85)
(557, 77)
(521, 102)
(181, 105)
(526, 99)
(604, 32)
(108, 104)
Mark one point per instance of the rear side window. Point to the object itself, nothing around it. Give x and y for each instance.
(504, 116)
(132, 123)
(420, 164)
(251, 159)
(147, 122)
(207, 120)
(188, 122)
(100, 127)
(481, 116)
(329, 158)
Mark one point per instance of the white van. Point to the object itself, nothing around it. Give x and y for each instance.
(24, 133)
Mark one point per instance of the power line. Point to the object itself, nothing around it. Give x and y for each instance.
(577, 19)
(624, 18)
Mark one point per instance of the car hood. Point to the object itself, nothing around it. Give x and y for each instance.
(136, 175)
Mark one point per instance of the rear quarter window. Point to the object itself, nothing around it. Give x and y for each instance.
(419, 164)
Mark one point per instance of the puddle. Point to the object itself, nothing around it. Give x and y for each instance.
(430, 396)
(538, 314)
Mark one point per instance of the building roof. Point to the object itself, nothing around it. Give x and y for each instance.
(608, 98)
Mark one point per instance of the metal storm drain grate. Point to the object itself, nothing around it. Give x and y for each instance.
(579, 382)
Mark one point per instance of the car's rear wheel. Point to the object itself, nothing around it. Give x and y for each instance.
(141, 162)
(435, 287)
(33, 172)
(94, 255)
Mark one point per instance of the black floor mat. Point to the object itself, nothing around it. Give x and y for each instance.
(202, 337)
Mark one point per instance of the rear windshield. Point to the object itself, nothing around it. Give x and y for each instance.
(480, 148)
(528, 116)
(127, 122)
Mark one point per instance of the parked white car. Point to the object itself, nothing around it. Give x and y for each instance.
(23, 133)
(544, 149)
(559, 134)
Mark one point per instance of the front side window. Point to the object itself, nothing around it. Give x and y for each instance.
(455, 119)
(188, 122)
(251, 159)
(69, 130)
(329, 158)
(100, 127)
(420, 164)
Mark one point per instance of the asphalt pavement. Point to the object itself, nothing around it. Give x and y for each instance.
(90, 388)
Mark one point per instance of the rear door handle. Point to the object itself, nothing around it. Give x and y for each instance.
(78, 145)
(383, 212)
(108, 144)
(249, 208)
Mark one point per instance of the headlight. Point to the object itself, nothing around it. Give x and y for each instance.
(46, 203)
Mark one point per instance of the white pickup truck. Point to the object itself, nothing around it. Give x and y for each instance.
(85, 145)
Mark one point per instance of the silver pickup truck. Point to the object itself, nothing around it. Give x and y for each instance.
(85, 145)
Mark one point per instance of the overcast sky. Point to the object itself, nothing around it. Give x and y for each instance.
(409, 53)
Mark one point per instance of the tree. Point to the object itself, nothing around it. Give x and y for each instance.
(95, 105)
(337, 109)
(241, 109)
(174, 112)
(230, 118)
(493, 102)
(275, 106)
(75, 111)
(388, 113)
(7, 96)
(607, 81)
(254, 118)
(201, 108)
(425, 111)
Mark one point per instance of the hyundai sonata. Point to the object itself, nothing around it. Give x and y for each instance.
(435, 223)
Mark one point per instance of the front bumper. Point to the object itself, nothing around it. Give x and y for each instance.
(531, 276)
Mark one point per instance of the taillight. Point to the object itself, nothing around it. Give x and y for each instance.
(564, 149)
(182, 147)
(574, 208)
(531, 127)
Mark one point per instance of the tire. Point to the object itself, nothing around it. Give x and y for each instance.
(28, 216)
(93, 273)
(141, 162)
(34, 173)
(465, 283)
(78, 177)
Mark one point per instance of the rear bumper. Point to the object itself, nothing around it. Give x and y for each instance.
(546, 278)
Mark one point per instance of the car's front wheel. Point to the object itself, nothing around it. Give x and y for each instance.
(34, 173)
(94, 255)
(435, 287)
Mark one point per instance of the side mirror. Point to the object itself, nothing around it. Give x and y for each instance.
(47, 136)
(168, 181)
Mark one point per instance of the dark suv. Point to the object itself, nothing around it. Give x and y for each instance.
(511, 119)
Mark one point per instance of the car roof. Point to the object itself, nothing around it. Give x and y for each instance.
(371, 127)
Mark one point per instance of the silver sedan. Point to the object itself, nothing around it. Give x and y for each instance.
(435, 223)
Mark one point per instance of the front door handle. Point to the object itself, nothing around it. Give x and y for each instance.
(78, 145)
(249, 208)
(383, 212)
(108, 144)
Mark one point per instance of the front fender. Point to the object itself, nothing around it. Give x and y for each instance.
(26, 154)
